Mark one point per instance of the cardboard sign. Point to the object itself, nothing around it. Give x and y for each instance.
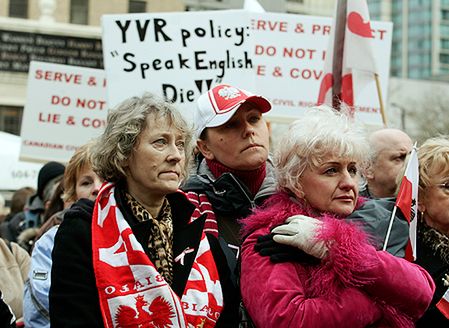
(65, 108)
(175, 55)
(181, 55)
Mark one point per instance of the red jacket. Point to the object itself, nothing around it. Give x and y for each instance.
(355, 286)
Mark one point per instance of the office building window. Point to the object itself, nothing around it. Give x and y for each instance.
(79, 11)
(10, 119)
(135, 6)
(18, 8)
(445, 14)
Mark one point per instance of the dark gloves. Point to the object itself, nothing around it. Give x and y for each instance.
(279, 253)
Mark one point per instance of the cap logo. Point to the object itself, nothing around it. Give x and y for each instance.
(229, 93)
(225, 98)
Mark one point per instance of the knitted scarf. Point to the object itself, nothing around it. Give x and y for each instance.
(132, 292)
(251, 179)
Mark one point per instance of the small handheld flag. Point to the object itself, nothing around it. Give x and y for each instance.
(407, 202)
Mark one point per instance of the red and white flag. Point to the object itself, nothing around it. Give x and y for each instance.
(443, 304)
(407, 201)
(349, 65)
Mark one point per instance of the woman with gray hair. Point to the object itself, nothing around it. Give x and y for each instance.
(342, 281)
(139, 256)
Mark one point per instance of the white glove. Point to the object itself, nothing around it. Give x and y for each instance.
(300, 231)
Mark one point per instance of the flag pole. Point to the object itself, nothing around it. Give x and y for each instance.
(337, 60)
(393, 214)
(381, 103)
(387, 238)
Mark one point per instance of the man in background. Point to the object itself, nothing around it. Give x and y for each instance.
(389, 150)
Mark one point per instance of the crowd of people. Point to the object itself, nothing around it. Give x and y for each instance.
(160, 224)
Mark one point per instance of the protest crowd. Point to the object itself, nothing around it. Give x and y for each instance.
(162, 222)
(157, 222)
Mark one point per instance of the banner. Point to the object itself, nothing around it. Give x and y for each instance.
(175, 55)
(181, 55)
(65, 108)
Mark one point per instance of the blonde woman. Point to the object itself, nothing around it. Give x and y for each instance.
(433, 224)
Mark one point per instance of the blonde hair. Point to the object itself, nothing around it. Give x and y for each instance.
(321, 132)
(433, 157)
(125, 123)
(80, 160)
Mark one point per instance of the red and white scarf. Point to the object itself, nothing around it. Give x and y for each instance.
(132, 292)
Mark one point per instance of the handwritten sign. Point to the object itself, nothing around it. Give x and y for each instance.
(65, 108)
(176, 55)
(181, 55)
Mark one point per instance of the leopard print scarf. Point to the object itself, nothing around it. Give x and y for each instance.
(160, 243)
(438, 242)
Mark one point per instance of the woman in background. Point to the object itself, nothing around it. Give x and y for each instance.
(80, 182)
(433, 225)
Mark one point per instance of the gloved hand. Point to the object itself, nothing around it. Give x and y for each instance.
(280, 253)
(300, 231)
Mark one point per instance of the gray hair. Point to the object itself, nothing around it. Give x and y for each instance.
(321, 132)
(125, 123)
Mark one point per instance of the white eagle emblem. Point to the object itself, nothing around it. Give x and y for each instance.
(229, 93)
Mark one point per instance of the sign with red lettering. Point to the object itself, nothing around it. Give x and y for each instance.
(288, 57)
(181, 55)
(65, 108)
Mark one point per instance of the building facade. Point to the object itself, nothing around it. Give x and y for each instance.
(420, 48)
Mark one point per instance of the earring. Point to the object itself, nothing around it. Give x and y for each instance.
(421, 215)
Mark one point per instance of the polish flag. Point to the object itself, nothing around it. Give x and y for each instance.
(349, 65)
(407, 201)
(443, 304)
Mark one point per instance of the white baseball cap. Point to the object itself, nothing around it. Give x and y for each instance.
(220, 103)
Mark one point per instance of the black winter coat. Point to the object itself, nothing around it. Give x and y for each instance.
(74, 300)
(436, 261)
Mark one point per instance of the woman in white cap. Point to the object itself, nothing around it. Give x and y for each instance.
(233, 172)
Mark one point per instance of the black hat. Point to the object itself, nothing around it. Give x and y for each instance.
(47, 173)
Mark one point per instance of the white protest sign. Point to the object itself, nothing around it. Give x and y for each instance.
(65, 108)
(15, 174)
(181, 55)
(175, 55)
(289, 57)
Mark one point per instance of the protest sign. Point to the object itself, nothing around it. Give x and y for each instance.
(65, 108)
(181, 55)
(175, 55)
(15, 174)
(289, 55)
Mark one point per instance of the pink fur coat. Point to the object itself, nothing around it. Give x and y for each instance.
(354, 286)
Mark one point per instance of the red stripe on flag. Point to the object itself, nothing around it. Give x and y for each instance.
(404, 198)
(409, 252)
(443, 304)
